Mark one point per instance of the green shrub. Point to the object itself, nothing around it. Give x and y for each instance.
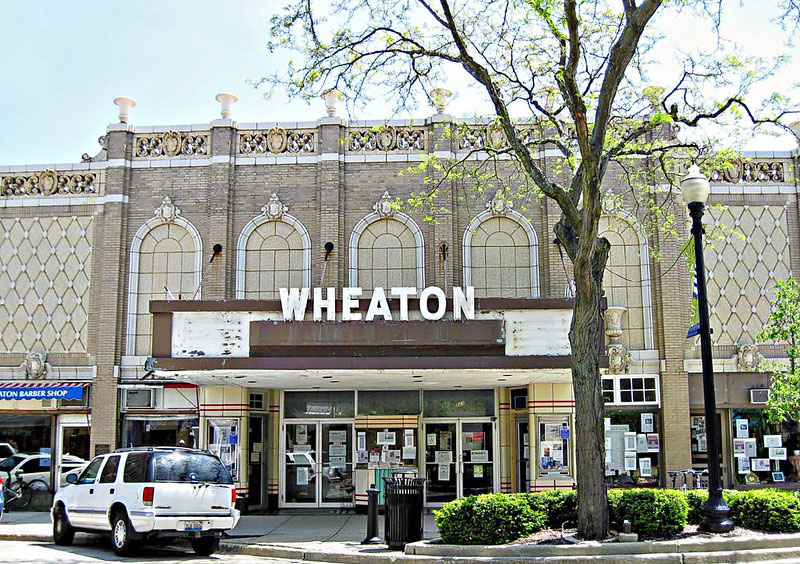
(767, 510)
(652, 513)
(697, 500)
(561, 507)
(488, 519)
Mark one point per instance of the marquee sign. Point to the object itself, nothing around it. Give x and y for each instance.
(432, 303)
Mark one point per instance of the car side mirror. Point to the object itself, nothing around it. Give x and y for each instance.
(72, 478)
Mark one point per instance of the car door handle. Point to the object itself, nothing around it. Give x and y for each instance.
(91, 491)
(112, 490)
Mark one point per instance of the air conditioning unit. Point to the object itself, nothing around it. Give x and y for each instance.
(140, 398)
(759, 395)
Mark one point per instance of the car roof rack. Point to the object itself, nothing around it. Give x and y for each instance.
(160, 449)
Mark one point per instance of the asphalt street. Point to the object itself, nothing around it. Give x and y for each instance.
(99, 550)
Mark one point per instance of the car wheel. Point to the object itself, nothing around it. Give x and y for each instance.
(63, 533)
(205, 546)
(121, 531)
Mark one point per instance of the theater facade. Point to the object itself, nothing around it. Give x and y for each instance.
(254, 289)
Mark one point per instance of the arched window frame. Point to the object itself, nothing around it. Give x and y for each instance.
(249, 229)
(644, 264)
(382, 210)
(166, 213)
(533, 243)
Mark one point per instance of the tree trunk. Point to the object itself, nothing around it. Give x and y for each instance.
(584, 336)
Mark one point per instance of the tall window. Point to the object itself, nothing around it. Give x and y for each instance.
(386, 250)
(273, 252)
(501, 253)
(626, 280)
(274, 259)
(387, 255)
(501, 262)
(165, 262)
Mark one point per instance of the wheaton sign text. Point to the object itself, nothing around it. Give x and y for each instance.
(432, 303)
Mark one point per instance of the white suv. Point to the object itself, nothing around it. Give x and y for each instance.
(148, 493)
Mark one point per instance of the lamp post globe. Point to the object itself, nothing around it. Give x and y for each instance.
(695, 190)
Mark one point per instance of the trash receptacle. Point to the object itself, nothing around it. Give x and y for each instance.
(404, 502)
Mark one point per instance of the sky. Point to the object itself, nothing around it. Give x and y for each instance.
(62, 64)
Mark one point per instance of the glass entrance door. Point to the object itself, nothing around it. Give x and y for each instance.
(440, 457)
(318, 464)
(523, 457)
(256, 487)
(72, 448)
(337, 463)
(459, 459)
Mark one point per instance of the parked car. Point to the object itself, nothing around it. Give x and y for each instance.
(6, 450)
(154, 494)
(36, 466)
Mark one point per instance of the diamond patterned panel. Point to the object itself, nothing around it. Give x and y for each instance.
(742, 270)
(44, 283)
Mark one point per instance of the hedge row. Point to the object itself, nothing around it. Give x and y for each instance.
(763, 510)
(502, 518)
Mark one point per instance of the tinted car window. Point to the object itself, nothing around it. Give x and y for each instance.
(135, 468)
(9, 463)
(89, 475)
(37, 464)
(189, 467)
(109, 474)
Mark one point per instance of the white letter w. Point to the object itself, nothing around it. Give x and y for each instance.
(293, 303)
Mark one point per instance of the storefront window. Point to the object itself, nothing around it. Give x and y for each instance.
(154, 430)
(386, 448)
(763, 453)
(633, 442)
(458, 403)
(319, 404)
(388, 403)
(26, 433)
(554, 441)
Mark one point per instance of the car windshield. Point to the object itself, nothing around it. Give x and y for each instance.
(189, 467)
(9, 463)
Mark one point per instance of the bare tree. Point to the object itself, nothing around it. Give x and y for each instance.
(576, 68)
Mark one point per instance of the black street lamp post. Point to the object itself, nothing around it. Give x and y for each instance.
(695, 189)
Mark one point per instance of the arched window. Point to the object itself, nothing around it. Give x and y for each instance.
(501, 257)
(165, 261)
(386, 249)
(627, 278)
(273, 252)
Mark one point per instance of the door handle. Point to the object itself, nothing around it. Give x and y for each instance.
(112, 491)
(91, 491)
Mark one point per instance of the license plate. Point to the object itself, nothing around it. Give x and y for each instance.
(192, 525)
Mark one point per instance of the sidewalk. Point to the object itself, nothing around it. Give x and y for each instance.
(302, 536)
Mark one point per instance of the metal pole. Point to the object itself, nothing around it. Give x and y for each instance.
(372, 516)
(717, 513)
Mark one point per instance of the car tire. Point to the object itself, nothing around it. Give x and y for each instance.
(121, 534)
(63, 533)
(205, 546)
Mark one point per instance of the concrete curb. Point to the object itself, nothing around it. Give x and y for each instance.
(29, 537)
(688, 546)
(689, 551)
